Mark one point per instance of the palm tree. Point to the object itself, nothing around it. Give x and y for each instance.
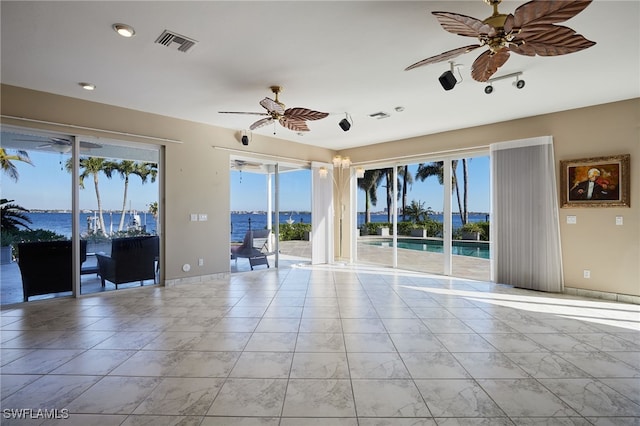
(127, 168)
(416, 211)
(369, 184)
(407, 179)
(6, 162)
(153, 209)
(436, 169)
(92, 167)
(388, 174)
(12, 216)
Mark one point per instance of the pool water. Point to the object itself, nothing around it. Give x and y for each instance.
(463, 248)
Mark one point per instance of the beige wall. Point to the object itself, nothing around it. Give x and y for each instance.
(197, 176)
(610, 252)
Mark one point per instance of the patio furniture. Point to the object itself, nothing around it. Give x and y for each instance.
(254, 247)
(46, 266)
(132, 259)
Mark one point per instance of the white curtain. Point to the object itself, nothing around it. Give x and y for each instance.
(321, 214)
(525, 229)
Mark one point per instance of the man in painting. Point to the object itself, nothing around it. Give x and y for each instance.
(590, 189)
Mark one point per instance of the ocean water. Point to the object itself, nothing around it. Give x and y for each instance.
(61, 222)
(240, 222)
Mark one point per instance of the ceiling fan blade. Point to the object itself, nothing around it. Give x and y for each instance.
(294, 123)
(261, 123)
(272, 106)
(550, 40)
(547, 12)
(242, 112)
(464, 25)
(89, 145)
(445, 56)
(304, 114)
(488, 63)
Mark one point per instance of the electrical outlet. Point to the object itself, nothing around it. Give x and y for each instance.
(619, 220)
(586, 273)
(200, 262)
(193, 217)
(572, 220)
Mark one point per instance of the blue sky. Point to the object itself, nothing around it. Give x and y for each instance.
(46, 186)
(248, 190)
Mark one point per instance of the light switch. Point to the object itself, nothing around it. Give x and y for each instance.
(202, 217)
(194, 217)
(619, 220)
(572, 220)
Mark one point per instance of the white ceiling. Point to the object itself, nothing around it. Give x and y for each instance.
(332, 56)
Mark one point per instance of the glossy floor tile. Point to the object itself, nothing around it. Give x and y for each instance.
(322, 346)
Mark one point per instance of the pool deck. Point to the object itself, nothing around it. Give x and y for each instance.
(422, 261)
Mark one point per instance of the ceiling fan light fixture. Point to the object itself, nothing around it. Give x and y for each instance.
(124, 30)
(488, 89)
(87, 86)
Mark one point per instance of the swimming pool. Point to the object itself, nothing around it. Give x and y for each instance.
(463, 248)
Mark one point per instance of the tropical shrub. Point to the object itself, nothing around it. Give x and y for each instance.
(294, 231)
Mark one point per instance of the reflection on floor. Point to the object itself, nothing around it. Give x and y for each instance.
(323, 346)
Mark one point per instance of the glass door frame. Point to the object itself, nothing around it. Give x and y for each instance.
(447, 228)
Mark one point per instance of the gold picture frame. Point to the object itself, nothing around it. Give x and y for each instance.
(595, 182)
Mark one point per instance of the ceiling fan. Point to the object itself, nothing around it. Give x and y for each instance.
(243, 164)
(61, 145)
(529, 31)
(292, 118)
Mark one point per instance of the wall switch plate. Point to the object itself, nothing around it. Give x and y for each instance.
(200, 262)
(586, 273)
(202, 217)
(619, 220)
(572, 220)
(194, 217)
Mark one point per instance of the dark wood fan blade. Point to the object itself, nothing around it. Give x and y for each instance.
(488, 63)
(445, 56)
(272, 106)
(294, 123)
(304, 114)
(242, 112)
(261, 123)
(550, 40)
(464, 25)
(547, 11)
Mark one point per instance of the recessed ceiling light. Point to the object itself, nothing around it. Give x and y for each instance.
(124, 30)
(87, 86)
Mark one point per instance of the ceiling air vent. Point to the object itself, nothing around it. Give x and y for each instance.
(175, 41)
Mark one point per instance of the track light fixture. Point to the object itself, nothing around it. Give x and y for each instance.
(519, 84)
(244, 138)
(345, 123)
(448, 79)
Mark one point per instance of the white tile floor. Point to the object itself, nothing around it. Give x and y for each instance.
(323, 346)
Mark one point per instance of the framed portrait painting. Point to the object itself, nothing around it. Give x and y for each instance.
(595, 182)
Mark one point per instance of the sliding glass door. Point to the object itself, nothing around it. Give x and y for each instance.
(118, 198)
(438, 201)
